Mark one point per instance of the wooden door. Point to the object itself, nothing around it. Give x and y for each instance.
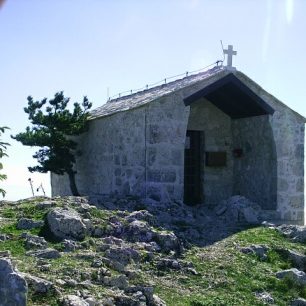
(192, 177)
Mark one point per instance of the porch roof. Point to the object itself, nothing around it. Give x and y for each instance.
(233, 97)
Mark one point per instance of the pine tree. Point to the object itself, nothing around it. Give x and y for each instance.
(53, 128)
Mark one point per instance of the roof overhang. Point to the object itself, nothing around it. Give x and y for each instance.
(233, 97)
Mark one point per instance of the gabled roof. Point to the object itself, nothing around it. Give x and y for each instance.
(243, 101)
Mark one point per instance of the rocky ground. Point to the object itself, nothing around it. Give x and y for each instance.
(72, 251)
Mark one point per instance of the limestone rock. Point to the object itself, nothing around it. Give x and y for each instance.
(265, 297)
(13, 287)
(27, 224)
(116, 281)
(39, 285)
(239, 209)
(70, 245)
(167, 263)
(294, 232)
(298, 302)
(66, 224)
(34, 242)
(45, 204)
(4, 237)
(167, 241)
(122, 255)
(259, 250)
(298, 260)
(91, 301)
(74, 300)
(45, 253)
(157, 301)
(141, 215)
(112, 240)
(138, 231)
(114, 264)
(294, 274)
(125, 300)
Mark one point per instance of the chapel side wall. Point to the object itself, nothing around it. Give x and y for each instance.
(59, 185)
(289, 138)
(166, 132)
(112, 159)
(288, 130)
(255, 171)
(216, 125)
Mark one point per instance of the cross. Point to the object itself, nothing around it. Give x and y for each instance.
(230, 52)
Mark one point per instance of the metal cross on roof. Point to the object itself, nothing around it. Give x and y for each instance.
(230, 52)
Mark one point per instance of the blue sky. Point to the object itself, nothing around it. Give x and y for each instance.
(85, 47)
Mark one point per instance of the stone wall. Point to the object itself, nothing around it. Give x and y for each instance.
(216, 125)
(288, 130)
(255, 171)
(113, 157)
(289, 138)
(166, 133)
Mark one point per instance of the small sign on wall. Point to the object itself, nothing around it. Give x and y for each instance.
(215, 159)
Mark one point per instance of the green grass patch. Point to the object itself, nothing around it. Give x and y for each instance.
(15, 246)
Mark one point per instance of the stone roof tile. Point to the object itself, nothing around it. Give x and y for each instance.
(143, 97)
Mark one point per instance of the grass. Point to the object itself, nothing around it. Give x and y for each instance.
(226, 275)
(229, 277)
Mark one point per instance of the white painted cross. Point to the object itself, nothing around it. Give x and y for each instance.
(230, 52)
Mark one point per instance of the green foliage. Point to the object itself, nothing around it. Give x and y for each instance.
(53, 127)
(3, 147)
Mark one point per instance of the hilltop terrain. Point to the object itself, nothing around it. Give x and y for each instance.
(65, 251)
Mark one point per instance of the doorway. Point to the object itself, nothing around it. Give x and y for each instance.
(192, 170)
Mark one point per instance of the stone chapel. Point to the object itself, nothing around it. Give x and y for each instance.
(200, 139)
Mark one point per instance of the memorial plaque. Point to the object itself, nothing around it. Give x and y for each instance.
(215, 159)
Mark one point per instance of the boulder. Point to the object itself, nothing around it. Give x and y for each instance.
(4, 237)
(123, 255)
(294, 274)
(157, 301)
(119, 282)
(13, 287)
(238, 209)
(259, 250)
(113, 264)
(34, 242)
(298, 302)
(138, 231)
(294, 232)
(66, 224)
(70, 245)
(141, 215)
(74, 300)
(45, 204)
(167, 241)
(39, 285)
(265, 297)
(45, 253)
(27, 224)
(298, 260)
(112, 240)
(167, 263)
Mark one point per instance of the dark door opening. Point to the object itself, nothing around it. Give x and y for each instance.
(192, 174)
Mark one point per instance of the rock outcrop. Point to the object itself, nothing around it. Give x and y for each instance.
(13, 287)
(66, 223)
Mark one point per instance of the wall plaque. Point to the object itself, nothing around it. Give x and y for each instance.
(215, 159)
